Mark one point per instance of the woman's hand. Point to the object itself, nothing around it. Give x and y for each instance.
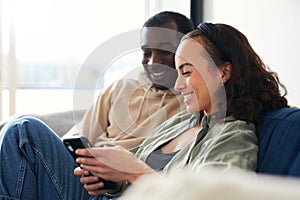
(91, 183)
(111, 163)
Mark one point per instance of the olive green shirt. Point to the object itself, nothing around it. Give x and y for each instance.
(223, 143)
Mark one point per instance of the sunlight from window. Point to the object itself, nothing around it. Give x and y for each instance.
(50, 41)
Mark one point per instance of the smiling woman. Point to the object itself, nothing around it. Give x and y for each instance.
(125, 113)
(208, 60)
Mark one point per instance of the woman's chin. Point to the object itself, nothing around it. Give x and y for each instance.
(191, 109)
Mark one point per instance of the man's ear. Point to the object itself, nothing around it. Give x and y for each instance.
(225, 71)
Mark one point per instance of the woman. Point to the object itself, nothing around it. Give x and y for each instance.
(227, 90)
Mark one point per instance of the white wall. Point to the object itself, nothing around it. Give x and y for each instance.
(155, 6)
(272, 28)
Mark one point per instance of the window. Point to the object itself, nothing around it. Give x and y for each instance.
(49, 41)
(44, 44)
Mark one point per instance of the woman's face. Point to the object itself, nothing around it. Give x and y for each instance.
(197, 79)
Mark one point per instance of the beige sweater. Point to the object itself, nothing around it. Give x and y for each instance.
(126, 112)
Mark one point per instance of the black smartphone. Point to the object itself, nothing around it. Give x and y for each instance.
(76, 143)
(81, 142)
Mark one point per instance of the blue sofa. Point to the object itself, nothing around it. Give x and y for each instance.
(279, 143)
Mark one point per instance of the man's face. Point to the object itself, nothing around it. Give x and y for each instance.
(159, 46)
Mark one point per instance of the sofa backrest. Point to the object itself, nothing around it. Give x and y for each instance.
(279, 143)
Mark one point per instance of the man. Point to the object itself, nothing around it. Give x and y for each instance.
(34, 162)
(129, 110)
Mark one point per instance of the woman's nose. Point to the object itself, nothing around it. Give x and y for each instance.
(180, 83)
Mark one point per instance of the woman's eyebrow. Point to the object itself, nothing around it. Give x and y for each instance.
(184, 64)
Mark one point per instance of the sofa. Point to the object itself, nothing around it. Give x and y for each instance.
(60, 122)
(279, 138)
(279, 143)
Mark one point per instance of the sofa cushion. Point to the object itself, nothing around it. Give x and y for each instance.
(279, 143)
(60, 122)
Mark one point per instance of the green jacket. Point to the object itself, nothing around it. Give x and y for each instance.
(227, 143)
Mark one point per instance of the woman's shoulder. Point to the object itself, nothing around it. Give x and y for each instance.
(232, 125)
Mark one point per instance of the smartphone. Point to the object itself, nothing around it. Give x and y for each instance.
(81, 142)
(76, 143)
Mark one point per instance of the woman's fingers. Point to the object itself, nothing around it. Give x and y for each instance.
(84, 152)
(81, 172)
(89, 180)
(115, 157)
(112, 163)
(95, 188)
(89, 161)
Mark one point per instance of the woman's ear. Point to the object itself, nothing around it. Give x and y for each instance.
(225, 71)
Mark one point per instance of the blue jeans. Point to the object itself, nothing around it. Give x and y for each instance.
(36, 165)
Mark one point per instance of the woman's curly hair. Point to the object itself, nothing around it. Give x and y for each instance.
(253, 90)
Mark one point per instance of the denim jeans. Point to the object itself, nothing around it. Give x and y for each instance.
(36, 165)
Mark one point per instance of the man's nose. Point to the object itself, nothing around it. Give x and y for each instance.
(155, 58)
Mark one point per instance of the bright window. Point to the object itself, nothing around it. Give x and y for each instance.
(50, 39)
(44, 44)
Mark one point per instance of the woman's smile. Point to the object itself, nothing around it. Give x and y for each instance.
(188, 96)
